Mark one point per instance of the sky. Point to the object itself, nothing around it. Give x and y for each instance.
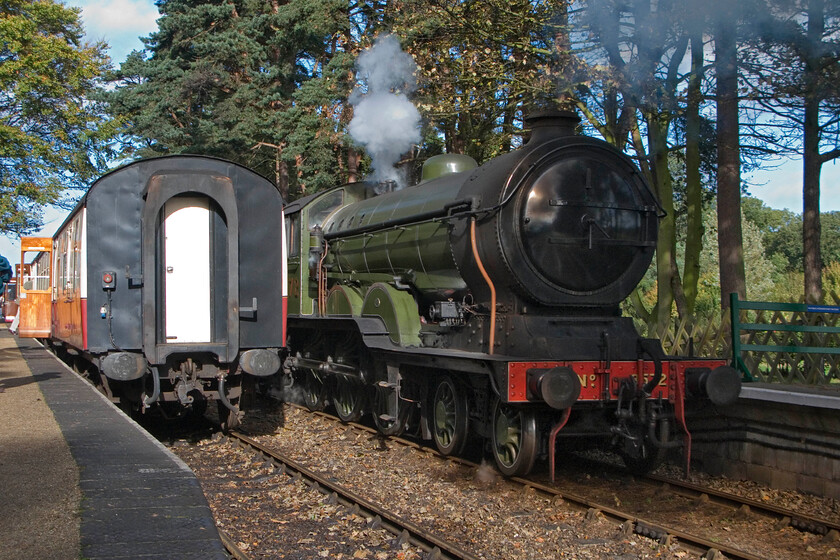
(121, 23)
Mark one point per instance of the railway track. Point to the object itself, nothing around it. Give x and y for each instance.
(630, 523)
(235, 552)
(739, 504)
(634, 524)
(783, 516)
(434, 545)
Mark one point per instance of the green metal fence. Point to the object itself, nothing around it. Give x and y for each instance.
(786, 342)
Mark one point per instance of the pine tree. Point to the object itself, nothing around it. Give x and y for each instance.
(226, 79)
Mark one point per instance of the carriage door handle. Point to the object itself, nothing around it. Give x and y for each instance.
(249, 312)
(169, 270)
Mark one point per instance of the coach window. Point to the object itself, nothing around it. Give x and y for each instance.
(36, 274)
(77, 253)
(293, 235)
(72, 264)
(61, 263)
(324, 206)
(57, 260)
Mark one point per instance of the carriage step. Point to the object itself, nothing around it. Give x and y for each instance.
(387, 418)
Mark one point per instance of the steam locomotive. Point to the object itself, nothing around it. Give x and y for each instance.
(162, 285)
(483, 303)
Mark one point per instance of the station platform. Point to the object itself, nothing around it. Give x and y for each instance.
(784, 436)
(80, 479)
(800, 395)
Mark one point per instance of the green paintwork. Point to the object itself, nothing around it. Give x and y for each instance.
(446, 164)
(303, 290)
(419, 251)
(344, 300)
(797, 347)
(362, 269)
(398, 310)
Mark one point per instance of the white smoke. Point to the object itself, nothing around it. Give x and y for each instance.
(384, 121)
(485, 474)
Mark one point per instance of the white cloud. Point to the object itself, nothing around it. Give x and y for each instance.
(118, 16)
(120, 23)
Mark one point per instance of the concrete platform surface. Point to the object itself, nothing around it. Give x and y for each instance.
(80, 479)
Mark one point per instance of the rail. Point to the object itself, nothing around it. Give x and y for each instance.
(406, 531)
(793, 343)
(628, 521)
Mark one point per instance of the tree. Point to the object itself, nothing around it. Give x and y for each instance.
(482, 67)
(230, 79)
(53, 136)
(759, 271)
(635, 95)
(782, 235)
(694, 206)
(797, 61)
(730, 240)
(820, 85)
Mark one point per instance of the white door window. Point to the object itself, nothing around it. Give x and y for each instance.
(187, 269)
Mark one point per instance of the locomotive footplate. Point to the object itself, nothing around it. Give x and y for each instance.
(621, 383)
(600, 383)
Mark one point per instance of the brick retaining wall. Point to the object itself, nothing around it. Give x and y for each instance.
(792, 445)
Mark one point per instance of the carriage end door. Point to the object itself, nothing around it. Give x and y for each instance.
(187, 270)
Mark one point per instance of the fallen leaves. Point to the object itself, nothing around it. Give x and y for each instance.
(275, 518)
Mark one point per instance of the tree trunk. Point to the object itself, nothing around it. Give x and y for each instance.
(811, 228)
(283, 183)
(667, 241)
(811, 162)
(507, 127)
(693, 187)
(730, 242)
(563, 50)
(353, 160)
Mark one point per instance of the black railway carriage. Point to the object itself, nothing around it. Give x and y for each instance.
(165, 279)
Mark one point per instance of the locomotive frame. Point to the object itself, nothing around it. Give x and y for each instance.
(162, 288)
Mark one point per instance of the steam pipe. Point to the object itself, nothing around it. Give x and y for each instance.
(223, 397)
(489, 284)
(653, 349)
(151, 399)
(667, 444)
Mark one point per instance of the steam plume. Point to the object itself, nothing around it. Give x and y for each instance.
(384, 121)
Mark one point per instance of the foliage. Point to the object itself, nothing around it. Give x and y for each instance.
(268, 84)
(788, 285)
(631, 84)
(792, 53)
(761, 273)
(635, 85)
(797, 85)
(6, 272)
(782, 235)
(315, 145)
(231, 80)
(481, 66)
(53, 137)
